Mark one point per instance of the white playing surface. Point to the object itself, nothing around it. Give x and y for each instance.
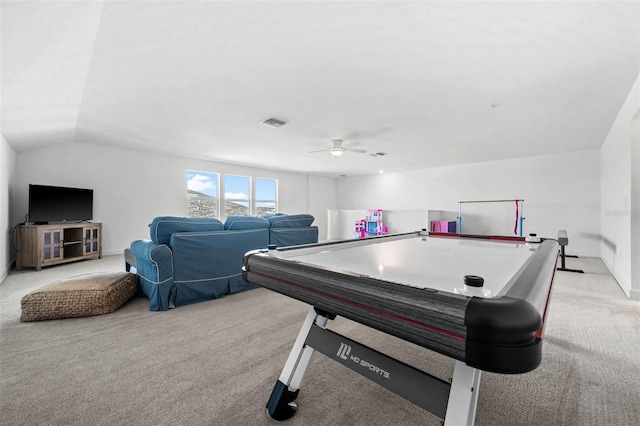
(423, 262)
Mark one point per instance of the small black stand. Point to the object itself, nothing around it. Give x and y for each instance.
(563, 240)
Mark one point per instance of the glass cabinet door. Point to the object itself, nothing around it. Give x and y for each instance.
(91, 240)
(51, 245)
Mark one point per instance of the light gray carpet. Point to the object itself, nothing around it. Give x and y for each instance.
(215, 363)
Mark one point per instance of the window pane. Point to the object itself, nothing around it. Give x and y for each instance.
(266, 196)
(234, 208)
(263, 207)
(236, 187)
(202, 194)
(236, 195)
(266, 189)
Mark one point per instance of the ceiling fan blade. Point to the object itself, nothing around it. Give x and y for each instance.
(320, 150)
(359, 151)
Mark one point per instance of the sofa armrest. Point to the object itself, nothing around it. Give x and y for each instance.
(154, 267)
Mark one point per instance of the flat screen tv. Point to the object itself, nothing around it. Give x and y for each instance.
(59, 204)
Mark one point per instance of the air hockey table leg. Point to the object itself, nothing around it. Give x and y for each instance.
(281, 404)
(463, 397)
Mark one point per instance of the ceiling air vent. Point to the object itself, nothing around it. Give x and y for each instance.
(273, 122)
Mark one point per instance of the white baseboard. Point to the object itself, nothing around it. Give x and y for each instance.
(5, 273)
(581, 253)
(621, 282)
(113, 252)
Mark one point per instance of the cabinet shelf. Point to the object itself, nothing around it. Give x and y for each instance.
(45, 245)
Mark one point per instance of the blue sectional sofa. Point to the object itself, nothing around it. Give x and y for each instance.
(189, 260)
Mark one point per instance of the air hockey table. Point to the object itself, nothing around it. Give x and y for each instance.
(479, 300)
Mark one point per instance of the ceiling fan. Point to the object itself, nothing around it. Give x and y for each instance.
(338, 147)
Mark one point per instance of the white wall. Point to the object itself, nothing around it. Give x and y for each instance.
(560, 192)
(322, 197)
(634, 293)
(7, 177)
(132, 187)
(620, 204)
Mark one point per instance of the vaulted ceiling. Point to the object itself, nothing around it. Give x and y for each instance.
(427, 83)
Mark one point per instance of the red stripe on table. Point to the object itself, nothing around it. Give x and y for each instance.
(365, 307)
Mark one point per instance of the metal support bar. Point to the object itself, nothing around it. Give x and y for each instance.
(297, 356)
(281, 405)
(463, 398)
(417, 386)
(490, 201)
(305, 357)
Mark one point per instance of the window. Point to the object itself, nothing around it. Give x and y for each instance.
(202, 194)
(240, 197)
(266, 198)
(237, 195)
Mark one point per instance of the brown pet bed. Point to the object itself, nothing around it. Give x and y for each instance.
(79, 296)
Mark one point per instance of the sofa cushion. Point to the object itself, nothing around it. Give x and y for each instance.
(284, 237)
(236, 223)
(268, 215)
(162, 227)
(290, 221)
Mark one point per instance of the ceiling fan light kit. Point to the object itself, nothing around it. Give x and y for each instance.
(337, 148)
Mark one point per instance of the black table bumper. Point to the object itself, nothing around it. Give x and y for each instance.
(501, 335)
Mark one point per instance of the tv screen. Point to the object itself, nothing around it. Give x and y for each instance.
(59, 204)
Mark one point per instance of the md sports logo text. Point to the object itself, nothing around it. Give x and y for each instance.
(344, 352)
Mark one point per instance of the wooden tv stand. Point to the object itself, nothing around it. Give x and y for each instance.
(52, 244)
